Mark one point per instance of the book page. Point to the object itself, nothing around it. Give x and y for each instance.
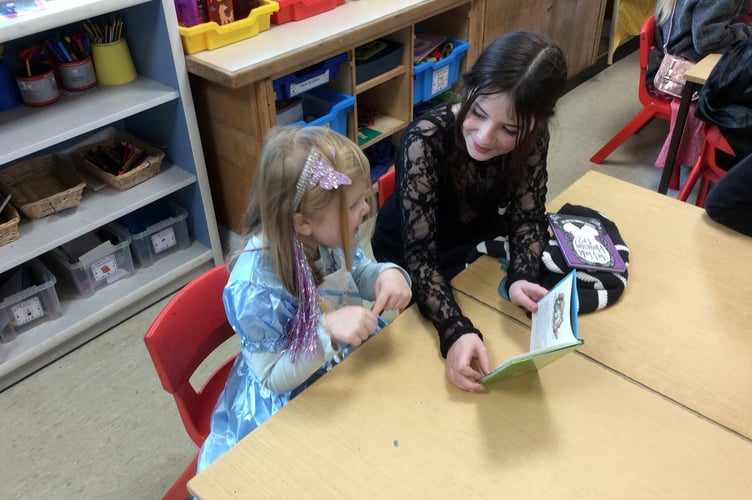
(553, 332)
(552, 324)
(526, 363)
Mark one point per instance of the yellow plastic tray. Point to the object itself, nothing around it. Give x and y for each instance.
(209, 36)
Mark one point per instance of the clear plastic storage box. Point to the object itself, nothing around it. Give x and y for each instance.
(156, 231)
(28, 298)
(94, 260)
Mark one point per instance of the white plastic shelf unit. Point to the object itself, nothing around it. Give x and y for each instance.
(157, 107)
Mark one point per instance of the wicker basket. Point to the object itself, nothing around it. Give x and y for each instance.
(148, 168)
(9, 220)
(42, 186)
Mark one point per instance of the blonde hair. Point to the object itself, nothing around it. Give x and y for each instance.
(663, 11)
(270, 211)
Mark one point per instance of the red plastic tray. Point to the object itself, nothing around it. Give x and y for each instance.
(295, 10)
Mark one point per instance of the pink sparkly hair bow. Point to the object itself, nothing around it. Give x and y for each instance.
(317, 172)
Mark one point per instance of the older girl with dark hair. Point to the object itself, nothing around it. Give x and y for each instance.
(467, 172)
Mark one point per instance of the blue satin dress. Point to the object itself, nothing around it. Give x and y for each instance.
(259, 308)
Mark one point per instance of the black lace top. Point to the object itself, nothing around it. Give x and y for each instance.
(441, 225)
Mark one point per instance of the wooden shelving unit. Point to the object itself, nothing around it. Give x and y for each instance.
(234, 93)
(156, 107)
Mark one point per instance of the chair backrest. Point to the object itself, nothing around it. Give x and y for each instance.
(189, 328)
(386, 186)
(647, 43)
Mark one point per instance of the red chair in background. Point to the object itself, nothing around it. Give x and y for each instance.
(706, 167)
(386, 186)
(192, 325)
(653, 107)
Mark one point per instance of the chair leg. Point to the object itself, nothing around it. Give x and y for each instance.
(694, 174)
(179, 490)
(675, 180)
(702, 192)
(635, 124)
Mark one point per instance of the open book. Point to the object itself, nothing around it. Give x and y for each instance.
(553, 332)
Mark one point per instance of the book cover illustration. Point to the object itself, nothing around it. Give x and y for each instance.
(585, 243)
(553, 332)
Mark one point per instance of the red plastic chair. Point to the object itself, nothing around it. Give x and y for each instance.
(653, 107)
(706, 167)
(192, 325)
(386, 186)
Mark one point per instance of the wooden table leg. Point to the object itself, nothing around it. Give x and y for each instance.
(676, 136)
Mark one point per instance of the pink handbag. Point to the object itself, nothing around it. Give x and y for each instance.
(670, 76)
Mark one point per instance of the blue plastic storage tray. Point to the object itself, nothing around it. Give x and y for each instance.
(433, 78)
(326, 108)
(308, 78)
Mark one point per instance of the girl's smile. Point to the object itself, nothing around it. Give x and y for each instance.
(490, 127)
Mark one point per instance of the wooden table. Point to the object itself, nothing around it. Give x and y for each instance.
(682, 327)
(696, 78)
(386, 424)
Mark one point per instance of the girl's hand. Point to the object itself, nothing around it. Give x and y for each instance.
(468, 350)
(526, 294)
(392, 291)
(351, 324)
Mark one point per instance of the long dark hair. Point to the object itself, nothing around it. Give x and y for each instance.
(532, 70)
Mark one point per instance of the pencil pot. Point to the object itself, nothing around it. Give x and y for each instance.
(37, 85)
(9, 96)
(113, 63)
(77, 75)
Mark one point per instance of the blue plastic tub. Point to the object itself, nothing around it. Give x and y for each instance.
(326, 108)
(433, 78)
(308, 78)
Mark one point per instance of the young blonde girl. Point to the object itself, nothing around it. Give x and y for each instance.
(295, 291)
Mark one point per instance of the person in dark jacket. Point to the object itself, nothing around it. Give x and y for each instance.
(730, 201)
(692, 29)
(698, 28)
(726, 100)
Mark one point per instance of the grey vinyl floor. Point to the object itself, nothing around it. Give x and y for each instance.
(96, 423)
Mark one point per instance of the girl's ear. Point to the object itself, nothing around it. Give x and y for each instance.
(302, 224)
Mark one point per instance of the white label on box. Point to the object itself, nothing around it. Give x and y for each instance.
(163, 240)
(27, 311)
(104, 268)
(440, 79)
(299, 88)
